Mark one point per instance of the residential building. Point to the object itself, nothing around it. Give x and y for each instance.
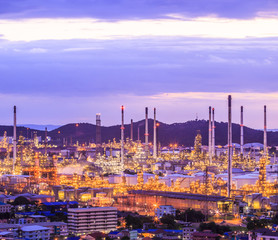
(88, 220)
(208, 235)
(55, 228)
(263, 234)
(165, 209)
(34, 232)
(4, 207)
(187, 232)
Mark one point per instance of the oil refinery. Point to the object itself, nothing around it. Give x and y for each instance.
(136, 176)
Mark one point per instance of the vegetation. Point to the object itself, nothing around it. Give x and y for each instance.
(215, 228)
(169, 221)
(125, 238)
(6, 215)
(21, 201)
(190, 215)
(256, 223)
(136, 222)
(59, 217)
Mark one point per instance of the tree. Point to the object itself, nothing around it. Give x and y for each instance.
(21, 201)
(59, 217)
(215, 228)
(133, 222)
(256, 223)
(275, 219)
(190, 215)
(125, 238)
(136, 222)
(169, 220)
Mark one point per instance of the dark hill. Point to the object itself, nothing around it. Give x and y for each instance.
(179, 133)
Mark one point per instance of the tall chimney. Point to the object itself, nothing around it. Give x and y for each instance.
(265, 133)
(209, 137)
(45, 142)
(146, 134)
(14, 141)
(241, 131)
(213, 134)
(230, 149)
(138, 133)
(122, 138)
(154, 134)
(131, 130)
(98, 134)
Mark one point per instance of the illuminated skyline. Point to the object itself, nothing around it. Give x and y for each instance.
(65, 61)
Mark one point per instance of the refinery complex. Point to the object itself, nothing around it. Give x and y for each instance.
(104, 178)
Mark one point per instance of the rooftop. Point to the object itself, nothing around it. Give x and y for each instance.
(33, 228)
(92, 209)
(179, 195)
(266, 232)
(59, 203)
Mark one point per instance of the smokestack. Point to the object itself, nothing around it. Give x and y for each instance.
(213, 134)
(241, 131)
(209, 138)
(154, 134)
(14, 141)
(146, 134)
(98, 133)
(265, 133)
(138, 133)
(230, 149)
(131, 130)
(122, 138)
(45, 142)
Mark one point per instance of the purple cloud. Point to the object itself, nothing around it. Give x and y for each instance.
(135, 9)
(139, 67)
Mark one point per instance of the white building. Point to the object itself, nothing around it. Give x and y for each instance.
(187, 232)
(165, 209)
(56, 228)
(88, 220)
(5, 207)
(133, 235)
(265, 234)
(34, 232)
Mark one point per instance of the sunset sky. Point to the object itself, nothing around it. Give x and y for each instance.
(63, 61)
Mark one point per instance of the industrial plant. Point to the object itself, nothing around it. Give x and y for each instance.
(231, 181)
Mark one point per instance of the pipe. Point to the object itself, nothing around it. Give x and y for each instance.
(45, 142)
(146, 133)
(241, 131)
(98, 134)
(14, 141)
(154, 134)
(265, 132)
(230, 149)
(122, 138)
(131, 130)
(209, 138)
(213, 134)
